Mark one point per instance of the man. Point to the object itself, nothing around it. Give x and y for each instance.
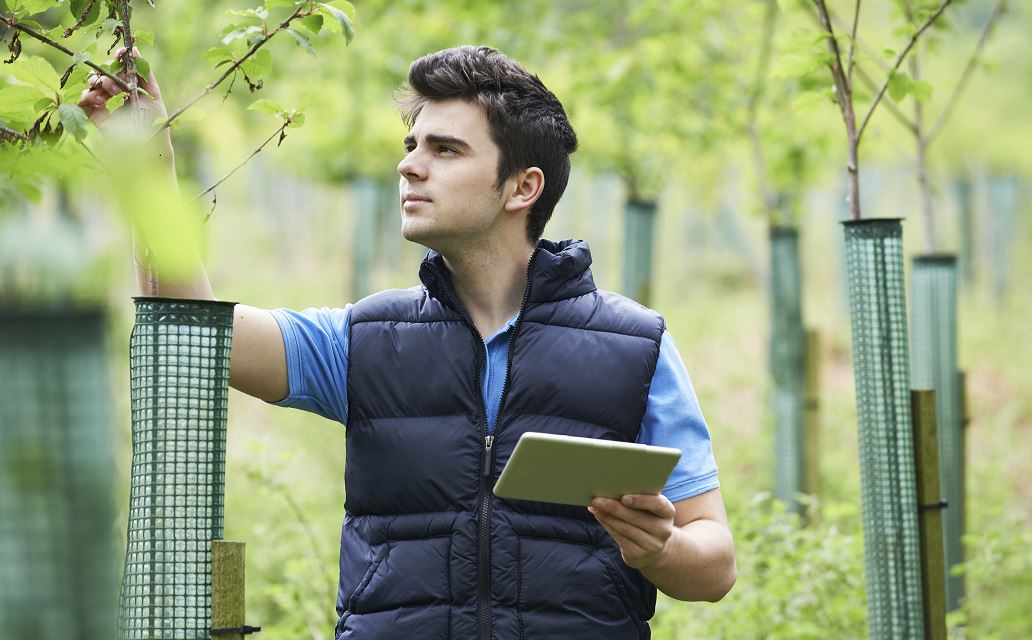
(505, 334)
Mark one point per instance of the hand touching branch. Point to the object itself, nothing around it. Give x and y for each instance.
(120, 122)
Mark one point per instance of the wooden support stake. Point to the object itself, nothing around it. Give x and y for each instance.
(811, 412)
(933, 559)
(227, 587)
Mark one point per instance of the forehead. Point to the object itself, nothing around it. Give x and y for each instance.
(454, 117)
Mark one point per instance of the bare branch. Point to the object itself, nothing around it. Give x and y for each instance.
(899, 60)
(82, 18)
(279, 132)
(852, 41)
(12, 134)
(843, 91)
(63, 49)
(130, 63)
(893, 109)
(951, 102)
(300, 12)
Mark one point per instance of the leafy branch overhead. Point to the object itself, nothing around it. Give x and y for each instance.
(37, 102)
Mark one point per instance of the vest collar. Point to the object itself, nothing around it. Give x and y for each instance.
(558, 270)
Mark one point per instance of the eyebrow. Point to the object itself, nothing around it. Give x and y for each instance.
(436, 138)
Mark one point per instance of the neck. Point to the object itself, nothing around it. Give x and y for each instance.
(490, 281)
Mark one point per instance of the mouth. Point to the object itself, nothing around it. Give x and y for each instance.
(409, 202)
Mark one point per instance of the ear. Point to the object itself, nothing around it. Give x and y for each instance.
(527, 187)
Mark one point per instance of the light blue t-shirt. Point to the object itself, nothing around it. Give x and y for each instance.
(316, 342)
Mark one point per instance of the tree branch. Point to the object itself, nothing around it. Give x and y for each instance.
(63, 49)
(11, 133)
(893, 109)
(843, 91)
(300, 12)
(130, 63)
(279, 132)
(951, 102)
(852, 41)
(899, 61)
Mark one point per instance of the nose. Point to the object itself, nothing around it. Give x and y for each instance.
(411, 166)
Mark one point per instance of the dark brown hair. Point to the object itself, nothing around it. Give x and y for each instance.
(526, 120)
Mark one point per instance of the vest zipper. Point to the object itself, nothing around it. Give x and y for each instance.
(484, 513)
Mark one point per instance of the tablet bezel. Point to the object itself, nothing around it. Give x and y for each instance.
(571, 470)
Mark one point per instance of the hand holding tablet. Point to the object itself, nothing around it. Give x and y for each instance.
(570, 470)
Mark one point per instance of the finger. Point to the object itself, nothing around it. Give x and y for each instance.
(109, 86)
(659, 505)
(630, 549)
(645, 540)
(656, 525)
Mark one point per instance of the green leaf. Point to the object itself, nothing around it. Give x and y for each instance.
(342, 20)
(922, 90)
(216, 55)
(302, 41)
(259, 64)
(239, 32)
(17, 99)
(109, 25)
(39, 6)
(74, 120)
(297, 119)
(37, 72)
(144, 38)
(313, 23)
(899, 85)
(258, 13)
(82, 56)
(142, 67)
(266, 106)
(76, 7)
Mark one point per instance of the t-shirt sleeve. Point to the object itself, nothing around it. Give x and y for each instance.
(673, 419)
(316, 343)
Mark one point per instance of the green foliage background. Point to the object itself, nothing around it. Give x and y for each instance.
(658, 92)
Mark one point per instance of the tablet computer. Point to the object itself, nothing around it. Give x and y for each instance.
(570, 470)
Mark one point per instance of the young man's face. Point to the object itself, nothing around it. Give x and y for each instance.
(448, 177)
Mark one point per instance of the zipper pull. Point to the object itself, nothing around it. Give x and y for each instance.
(488, 459)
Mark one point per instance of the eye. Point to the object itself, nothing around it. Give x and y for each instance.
(444, 149)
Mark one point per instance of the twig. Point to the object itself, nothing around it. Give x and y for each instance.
(130, 63)
(852, 42)
(1001, 6)
(63, 49)
(11, 133)
(279, 132)
(82, 18)
(844, 95)
(899, 61)
(298, 13)
(893, 109)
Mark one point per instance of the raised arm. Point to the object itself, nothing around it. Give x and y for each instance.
(258, 365)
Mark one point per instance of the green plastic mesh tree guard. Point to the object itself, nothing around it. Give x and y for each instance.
(966, 226)
(1003, 198)
(787, 345)
(934, 358)
(179, 379)
(877, 301)
(57, 550)
(366, 203)
(639, 225)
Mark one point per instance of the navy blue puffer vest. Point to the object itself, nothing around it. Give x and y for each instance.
(427, 552)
